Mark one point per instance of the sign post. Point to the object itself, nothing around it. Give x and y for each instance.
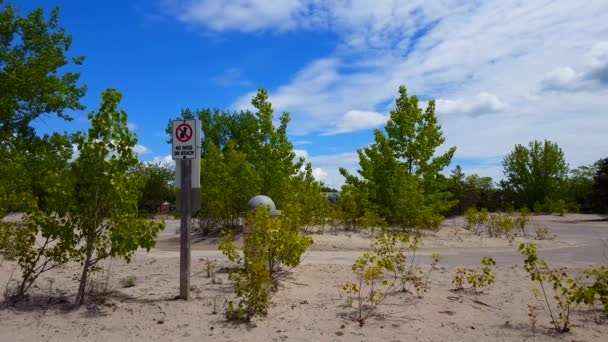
(185, 137)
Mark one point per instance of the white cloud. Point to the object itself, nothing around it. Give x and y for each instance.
(355, 120)
(231, 77)
(238, 15)
(595, 75)
(477, 57)
(141, 149)
(328, 167)
(164, 160)
(301, 142)
(483, 103)
(319, 174)
(131, 126)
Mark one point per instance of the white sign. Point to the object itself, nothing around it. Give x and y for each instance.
(186, 137)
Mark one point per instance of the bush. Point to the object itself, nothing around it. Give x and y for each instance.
(475, 279)
(275, 242)
(271, 243)
(522, 220)
(253, 290)
(541, 232)
(565, 289)
(598, 290)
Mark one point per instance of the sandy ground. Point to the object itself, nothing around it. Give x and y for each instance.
(308, 305)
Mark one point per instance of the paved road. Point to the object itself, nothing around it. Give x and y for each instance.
(589, 240)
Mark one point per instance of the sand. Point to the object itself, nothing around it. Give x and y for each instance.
(307, 306)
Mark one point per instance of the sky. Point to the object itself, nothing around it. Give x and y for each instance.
(502, 72)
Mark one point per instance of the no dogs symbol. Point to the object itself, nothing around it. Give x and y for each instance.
(184, 132)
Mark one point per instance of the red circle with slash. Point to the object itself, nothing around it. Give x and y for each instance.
(183, 132)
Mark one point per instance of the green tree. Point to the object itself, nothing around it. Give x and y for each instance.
(157, 185)
(399, 172)
(580, 186)
(536, 172)
(104, 208)
(599, 194)
(32, 80)
(244, 154)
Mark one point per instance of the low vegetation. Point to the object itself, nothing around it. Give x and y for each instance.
(475, 279)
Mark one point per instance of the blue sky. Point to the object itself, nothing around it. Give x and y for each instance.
(502, 72)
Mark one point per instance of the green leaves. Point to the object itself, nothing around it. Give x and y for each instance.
(400, 174)
(476, 279)
(32, 52)
(271, 243)
(535, 172)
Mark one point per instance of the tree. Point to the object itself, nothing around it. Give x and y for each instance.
(579, 188)
(599, 193)
(535, 173)
(104, 208)
(244, 154)
(32, 81)
(400, 173)
(157, 185)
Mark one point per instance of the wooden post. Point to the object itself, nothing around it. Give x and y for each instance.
(184, 257)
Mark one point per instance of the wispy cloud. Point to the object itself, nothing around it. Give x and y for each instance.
(231, 77)
(141, 150)
(355, 120)
(489, 57)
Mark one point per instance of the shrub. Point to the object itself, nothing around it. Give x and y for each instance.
(470, 217)
(522, 220)
(274, 241)
(253, 290)
(541, 232)
(598, 290)
(475, 279)
(538, 208)
(384, 270)
(564, 288)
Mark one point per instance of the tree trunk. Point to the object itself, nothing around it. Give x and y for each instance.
(83, 278)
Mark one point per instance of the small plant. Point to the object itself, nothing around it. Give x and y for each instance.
(564, 288)
(370, 289)
(129, 281)
(541, 232)
(470, 217)
(473, 279)
(349, 289)
(210, 267)
(474, 218)
(597, 291)
(522, 220)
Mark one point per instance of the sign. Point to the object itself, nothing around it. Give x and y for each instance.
(185, 134)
